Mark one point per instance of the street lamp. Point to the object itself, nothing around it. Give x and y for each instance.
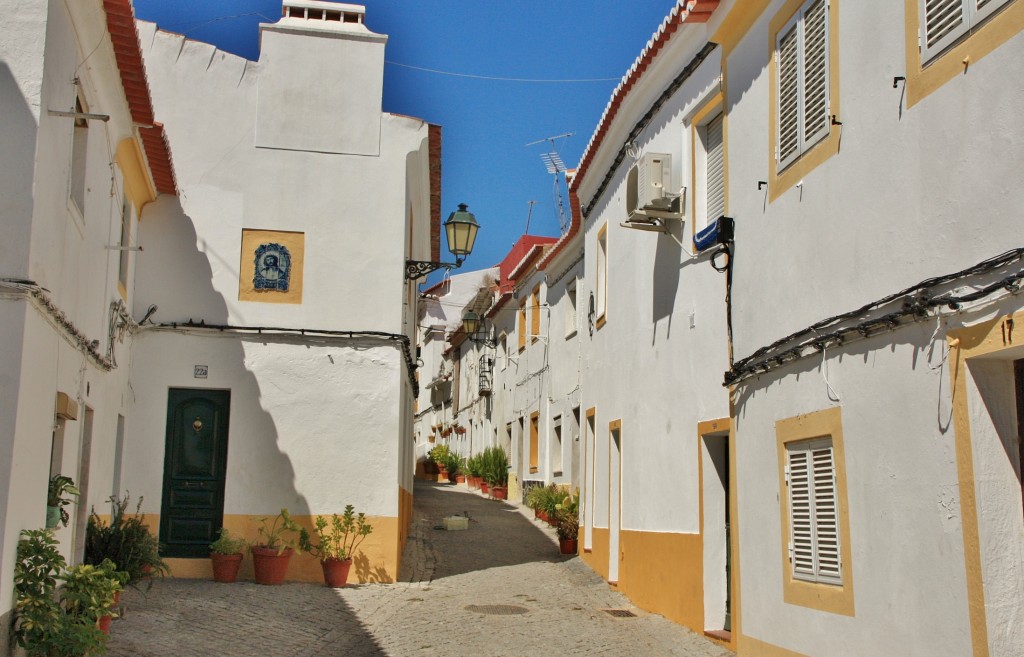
(460, 229)
(473, 327)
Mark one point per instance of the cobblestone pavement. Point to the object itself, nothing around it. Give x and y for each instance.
(499, 589)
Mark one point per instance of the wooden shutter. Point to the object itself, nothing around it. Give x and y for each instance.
(982, 9)
(814, 512)
(826, 515)
(789, 96)
(814, 81)
(942, 23)
(715, 170)
(801, 525)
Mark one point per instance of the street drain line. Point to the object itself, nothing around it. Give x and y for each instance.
(497, 610)
(619, 613)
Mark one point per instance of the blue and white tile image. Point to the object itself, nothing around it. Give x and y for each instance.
(273, 268)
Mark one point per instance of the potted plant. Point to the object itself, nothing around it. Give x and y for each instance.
(64, 621)
(452, 464)
(126, 541)
(273, 550)
(496, 472)
(59, 494)
(568, 529)
(439, 454)
(473, 467)
(336, 543)
(534, 499)
(226, 555)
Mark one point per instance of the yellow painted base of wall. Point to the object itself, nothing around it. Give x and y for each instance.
(597, 558)
(750, 647)
(663, 573)
(515, 488)
(376, 559)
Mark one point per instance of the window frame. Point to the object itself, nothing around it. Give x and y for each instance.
(782, 178)
(804, 143)
(571, 309)
(124, 253)
(972, 19)
(78, 165)
(710, 111)
(521, 324)
(601, 282)
(928, 73)
(535, 314)
(832, 597)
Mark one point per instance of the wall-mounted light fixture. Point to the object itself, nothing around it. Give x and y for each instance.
(473, 326)
(461, 229)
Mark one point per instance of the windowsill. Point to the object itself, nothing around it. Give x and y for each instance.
(571, 334)
(601, 321)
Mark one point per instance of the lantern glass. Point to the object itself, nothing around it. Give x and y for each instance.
(461, 229)
(470, 322)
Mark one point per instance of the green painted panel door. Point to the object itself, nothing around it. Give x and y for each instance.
(195, 464)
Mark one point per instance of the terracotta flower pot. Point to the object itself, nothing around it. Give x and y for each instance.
(567, 545)
(336, 572)
(269, 566)
(103, 622)
(460, 478)
(225, 567)
(483, 487)
(499, 492)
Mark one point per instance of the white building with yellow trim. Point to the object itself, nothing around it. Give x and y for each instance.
(82, 163)
(284, 339)
(874, 155)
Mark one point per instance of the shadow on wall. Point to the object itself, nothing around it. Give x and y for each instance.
(176, 276)
(18, 135)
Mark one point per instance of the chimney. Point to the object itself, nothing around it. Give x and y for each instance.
(321, 80)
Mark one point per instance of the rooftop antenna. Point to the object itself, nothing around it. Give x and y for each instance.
(556, 167)
(529, 214)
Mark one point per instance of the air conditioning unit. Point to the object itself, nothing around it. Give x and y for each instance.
(649, 191)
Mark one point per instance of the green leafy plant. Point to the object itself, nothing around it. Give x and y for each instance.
(535, 497)
(339, 538)
(59, 623)
(126, 541)
(279, 533)
(494, 466)
(439, 454)
(453, 463)
(568, 526)
(61, 493)
(473, 465)
(227, 544)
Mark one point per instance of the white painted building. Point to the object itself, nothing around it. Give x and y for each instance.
(654, 335)
(285, 323)
(82, 163)
(875, 323)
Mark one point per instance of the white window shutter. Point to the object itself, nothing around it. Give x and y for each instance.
(815, 120)
(715, 170)
(982, 9)
(789, 99)
(801, 520)
(826, 515)
(942, 23)
(814, 512)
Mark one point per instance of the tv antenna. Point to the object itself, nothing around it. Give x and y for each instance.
(556, 167)
(529, 213)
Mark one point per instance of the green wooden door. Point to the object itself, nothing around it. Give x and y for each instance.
(195, 463)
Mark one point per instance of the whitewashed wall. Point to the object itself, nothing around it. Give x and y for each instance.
(657, 363)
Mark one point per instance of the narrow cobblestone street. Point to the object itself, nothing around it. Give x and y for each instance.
(498, 589)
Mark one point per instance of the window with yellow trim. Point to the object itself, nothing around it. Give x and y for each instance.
(816, 553)
(534, 442)
(802, 75)
(535, 314)
(521, 328)
(946, 22)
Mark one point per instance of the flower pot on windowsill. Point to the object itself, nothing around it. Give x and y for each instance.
(270, 566)
(336, 572)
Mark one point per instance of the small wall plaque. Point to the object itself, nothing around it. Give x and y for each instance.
(201, 371)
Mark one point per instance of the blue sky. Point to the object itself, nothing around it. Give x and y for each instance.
(486, 122)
